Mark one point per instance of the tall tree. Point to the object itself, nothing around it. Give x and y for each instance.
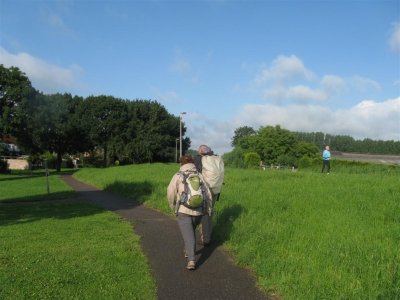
(105, 117)
(15, 93)
(54, 126)
(240, 134)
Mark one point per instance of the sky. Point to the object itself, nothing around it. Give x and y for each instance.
(329, 65)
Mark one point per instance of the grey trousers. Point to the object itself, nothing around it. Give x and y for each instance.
(206, 223)
(187, 224)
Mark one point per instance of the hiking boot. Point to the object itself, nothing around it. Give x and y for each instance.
(191, 265)
(184, 252)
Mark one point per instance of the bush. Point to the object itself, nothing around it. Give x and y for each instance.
(252, 160)
(305, 162)
(3, 166)
(234, 158)
(93, 161)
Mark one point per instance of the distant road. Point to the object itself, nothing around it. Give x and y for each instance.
(384, 159)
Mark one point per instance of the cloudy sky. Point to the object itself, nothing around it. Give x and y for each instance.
(330, 66)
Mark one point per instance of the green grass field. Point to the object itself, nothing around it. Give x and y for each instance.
(61, 250)
(306, 235)
(31, 187)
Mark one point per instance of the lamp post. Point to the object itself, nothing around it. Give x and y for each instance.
(180, 133)
(176, 150)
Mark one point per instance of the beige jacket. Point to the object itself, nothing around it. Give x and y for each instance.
(176, 187)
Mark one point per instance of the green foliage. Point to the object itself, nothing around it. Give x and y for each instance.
(305, 162)
(306, 235)
(345, 143)
(3, 166)
(274, 145)
(127, 131)
(240, 136)
(235, 158)
(252, 160)
(15, 92)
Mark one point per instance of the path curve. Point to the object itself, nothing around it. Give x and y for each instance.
(216, 276)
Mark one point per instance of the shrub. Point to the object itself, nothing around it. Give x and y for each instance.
(3, 166)
(234, 158)
(252, 160)
(305, 162)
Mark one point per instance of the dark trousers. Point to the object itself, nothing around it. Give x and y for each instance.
(326, 163)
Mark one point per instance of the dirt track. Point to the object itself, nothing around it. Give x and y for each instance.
(384, 159)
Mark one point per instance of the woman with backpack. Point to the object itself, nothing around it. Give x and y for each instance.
(189, 215)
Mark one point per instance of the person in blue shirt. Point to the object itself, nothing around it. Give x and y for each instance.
(326, 159)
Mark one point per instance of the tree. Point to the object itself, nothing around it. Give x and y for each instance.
(16, 92)
(272, 145)
(273, 142)
(240, 134)
(55, 127)
(104, 118)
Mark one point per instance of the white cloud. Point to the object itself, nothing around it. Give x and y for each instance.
(364, 84)
(57, 23)
(333, 83)
(299, 93)
(202, 130)
(289, 80)
(44, 76)
(167, 97)
(367, 119)
(181, 64)
(394, 40)
(284, 68)
(377, 120)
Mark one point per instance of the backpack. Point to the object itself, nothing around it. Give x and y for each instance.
(213, 172)
(193, 193)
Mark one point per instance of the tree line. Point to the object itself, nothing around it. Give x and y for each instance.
(273, 145)
(108, 129)
(345, 143)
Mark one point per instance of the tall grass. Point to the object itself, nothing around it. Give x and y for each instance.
(305, 234)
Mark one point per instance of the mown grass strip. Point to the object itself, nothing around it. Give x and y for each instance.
(32, 187)
(68, 251)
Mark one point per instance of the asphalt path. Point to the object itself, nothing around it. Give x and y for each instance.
(216, 276)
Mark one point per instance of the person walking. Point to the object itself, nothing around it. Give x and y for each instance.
(326, 159)
(211, 166)
(188, 218)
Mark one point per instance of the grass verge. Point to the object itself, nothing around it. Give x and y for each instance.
(68, 251)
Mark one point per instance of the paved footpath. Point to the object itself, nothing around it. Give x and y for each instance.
(216, 276)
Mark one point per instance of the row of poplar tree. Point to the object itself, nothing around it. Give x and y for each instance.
(117, 130)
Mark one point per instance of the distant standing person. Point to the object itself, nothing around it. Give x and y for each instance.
(211, 166)
(326, 159)
(189, 214)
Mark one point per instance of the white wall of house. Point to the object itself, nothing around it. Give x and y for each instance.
(17, 164)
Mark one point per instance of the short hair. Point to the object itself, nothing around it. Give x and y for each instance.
(204, 149)
(186, 159)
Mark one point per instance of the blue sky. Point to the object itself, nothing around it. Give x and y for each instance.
(331, 66)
